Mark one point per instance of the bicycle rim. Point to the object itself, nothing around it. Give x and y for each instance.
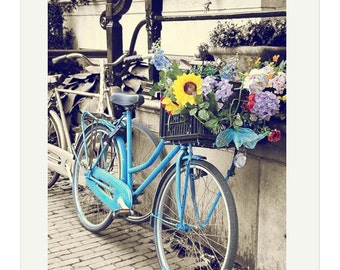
(53, 137)
(200, 246)
(144, 143)
(92, 213)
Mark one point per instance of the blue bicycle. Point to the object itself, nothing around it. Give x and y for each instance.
(192, 210)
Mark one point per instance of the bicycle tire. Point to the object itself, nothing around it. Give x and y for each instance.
(144, 142)
(55, 137)
(212, 247)
(92, 213)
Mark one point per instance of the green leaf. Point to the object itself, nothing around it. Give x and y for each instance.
(193, 111)
(212, 103)
(203, 114)
(212, 124)
(237, 123)
(204, 105)
(199, 99)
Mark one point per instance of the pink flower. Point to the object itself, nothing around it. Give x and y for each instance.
(278, 82)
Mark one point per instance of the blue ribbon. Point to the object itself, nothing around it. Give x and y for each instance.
(242, 136)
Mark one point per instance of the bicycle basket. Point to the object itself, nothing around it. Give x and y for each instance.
(180, 129)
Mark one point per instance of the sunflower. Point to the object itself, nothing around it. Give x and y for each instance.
(169, 106)
(186, 87)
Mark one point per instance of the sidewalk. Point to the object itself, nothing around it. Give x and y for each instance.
(122, 245)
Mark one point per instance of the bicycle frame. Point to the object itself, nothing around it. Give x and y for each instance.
(63, 164)
(97, 175)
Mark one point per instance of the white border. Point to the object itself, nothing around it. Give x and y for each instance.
(329, 145)
(303, 128)
(33, 122)
(10, 137)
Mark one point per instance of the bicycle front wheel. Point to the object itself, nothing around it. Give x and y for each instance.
(92, 213)
(208, 236)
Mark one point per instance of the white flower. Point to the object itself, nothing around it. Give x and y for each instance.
(256, 81)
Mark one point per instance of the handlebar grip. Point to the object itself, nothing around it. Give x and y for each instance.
(133, 58)
(58, 58)
(66, 56)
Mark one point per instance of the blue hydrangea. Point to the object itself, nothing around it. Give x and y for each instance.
(159, 60)
(228, 72)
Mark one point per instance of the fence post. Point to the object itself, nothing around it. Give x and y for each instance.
(114, 35)
(153, 8)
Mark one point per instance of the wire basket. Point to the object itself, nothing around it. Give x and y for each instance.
(180, 129)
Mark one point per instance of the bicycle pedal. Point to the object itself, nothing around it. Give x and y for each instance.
(65, 186)
(123, 213)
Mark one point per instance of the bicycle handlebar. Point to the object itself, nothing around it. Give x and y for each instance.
(124, 58)
(73, 56)
(127, 60)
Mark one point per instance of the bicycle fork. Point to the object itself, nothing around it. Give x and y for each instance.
(182, 191)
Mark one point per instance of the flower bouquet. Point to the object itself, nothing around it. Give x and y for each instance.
(235, 107)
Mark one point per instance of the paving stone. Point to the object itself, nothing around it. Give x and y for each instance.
(123, 245)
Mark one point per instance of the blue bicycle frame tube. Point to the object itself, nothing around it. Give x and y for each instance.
(178, 186)
(151, 160)
(157, 170)
(129, 146)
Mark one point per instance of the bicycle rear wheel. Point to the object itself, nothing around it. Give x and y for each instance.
(54, 136)
(144, 142)
(92, 213)
(209, 236)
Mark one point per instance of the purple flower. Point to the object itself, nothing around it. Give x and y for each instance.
(224, 90)
(266, 105)
(208, 84)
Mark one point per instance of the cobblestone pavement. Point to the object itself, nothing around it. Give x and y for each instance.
(122, 245)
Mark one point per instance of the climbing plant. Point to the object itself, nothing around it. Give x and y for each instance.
(60, 37)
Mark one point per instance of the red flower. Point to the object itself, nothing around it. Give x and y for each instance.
(251, 102)
(274, 136)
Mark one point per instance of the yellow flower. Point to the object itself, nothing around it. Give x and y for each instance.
(258, 61)
(186, 87)
(283, 98)
(169, 106)
(276, 58)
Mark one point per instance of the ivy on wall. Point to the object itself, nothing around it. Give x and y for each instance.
(60, 37)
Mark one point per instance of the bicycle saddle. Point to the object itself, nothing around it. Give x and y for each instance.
(126, 100)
